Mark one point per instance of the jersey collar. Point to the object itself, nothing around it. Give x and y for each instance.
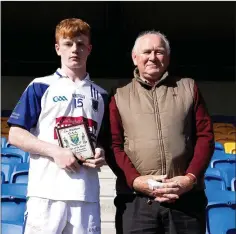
(60, 73)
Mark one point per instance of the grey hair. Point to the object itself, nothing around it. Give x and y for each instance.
(161, 35)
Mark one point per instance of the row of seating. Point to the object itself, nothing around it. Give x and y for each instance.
(221, 169)
(216, 179)
(221, 212)
(13, 155)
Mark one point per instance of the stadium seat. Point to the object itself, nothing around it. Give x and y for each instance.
(232, 132)
(13, 208)
(219, 146)
(224, 139)
(227, 166)
(3, 142)
(233, 184)
(7, 152)
(13, 202)
(230, 147)
(11, 157)
(2, 178)
(223, 125)
(214, 179)
(20, 173)
(220, 212)
(7, 169)
(218, 154)
(11, 228)
(14, 190)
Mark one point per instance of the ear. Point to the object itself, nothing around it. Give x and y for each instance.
(90, 49)
(134, 58)
(57, 48)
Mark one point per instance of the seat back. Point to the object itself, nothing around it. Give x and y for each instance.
(11, 228)
(230, 147)
(20, 173)
(214, 179)
(221, 211)
(2, 178)
(7, 169)
(11, 157)
(4, 142)
(219, 146)
(13, 208)
(16, 151)
(13, 202)
(227, 166)
(233, 184)
(14, 190)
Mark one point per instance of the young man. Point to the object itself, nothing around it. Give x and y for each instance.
(63, 193)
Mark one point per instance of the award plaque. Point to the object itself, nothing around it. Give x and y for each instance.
(77, 139)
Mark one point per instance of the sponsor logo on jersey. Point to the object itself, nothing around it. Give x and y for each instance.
(59, 98)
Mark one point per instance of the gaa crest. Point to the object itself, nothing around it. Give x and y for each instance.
(74, 138)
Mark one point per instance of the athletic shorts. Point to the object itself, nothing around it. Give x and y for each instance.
(45, 216)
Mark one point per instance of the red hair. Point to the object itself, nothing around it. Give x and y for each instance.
(69, 28)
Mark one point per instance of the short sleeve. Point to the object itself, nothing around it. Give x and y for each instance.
(28, 108)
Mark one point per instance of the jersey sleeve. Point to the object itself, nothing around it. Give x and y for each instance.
(28, 109)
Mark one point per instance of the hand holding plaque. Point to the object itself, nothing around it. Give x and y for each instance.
(77, 139)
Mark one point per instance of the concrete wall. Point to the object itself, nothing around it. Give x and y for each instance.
(107, 194)
(220, 96)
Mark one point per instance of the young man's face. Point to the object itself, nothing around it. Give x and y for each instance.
(151, 56)
(74, 51)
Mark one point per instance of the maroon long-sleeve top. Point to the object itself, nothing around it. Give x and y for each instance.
(203, 150)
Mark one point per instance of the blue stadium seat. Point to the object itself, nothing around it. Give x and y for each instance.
(13, 208)
(20, 173)
(227, 165)
(214, 179)
(221, 211)
(14, 190)
(11, 157)
(219, 147)
(16, 151)
(218, 154)
(11, 228)
(7, 169)
(233, 184)
(4, 142)
(13, 202)
(2, 178)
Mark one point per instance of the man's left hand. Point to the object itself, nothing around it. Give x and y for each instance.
(98, 161)
(184, 184)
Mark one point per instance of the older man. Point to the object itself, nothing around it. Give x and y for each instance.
(162, 131)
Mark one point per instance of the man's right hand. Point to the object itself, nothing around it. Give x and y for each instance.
(140, 184)
(65, 159)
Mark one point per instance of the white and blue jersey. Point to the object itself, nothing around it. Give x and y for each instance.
(52, 101)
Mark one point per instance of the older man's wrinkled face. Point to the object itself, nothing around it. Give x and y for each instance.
(151, 56)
